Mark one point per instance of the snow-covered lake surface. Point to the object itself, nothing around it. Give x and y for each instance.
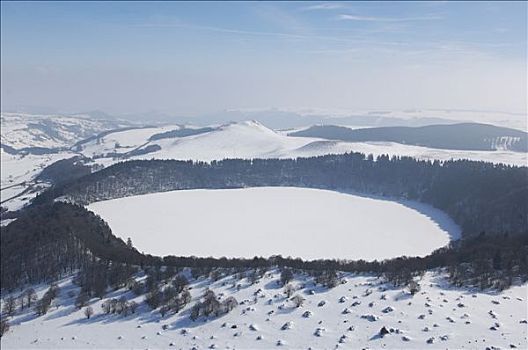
(265, 221)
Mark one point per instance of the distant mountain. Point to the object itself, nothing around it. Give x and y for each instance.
(247, 139)
(279, 119)
(464, 136)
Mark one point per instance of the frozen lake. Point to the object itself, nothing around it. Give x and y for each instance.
(265, 221)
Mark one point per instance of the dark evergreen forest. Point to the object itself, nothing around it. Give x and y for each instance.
(466, 136)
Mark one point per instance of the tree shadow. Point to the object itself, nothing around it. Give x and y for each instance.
(184, 320)
(273, 285)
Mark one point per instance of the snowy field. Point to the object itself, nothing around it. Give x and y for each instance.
(20, 130)
(18, 173)
(437, 317)
(265, 221)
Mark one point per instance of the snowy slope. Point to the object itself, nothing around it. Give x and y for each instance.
(453, 318)
(248, 139)
(121, 142)
(18, 173)
(251, 139)
(50, 131)
(396, 149)
(266, 221)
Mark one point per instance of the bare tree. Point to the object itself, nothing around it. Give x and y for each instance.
(106, 307)
(88, 312)
(185, 297)
(414, 287)
(298, 300)
(133, 306)
(10, 305)
(195, 311)
(21, 301)
(30, 296)
(4, 326)
(180, 282)
(43, 305)
(286, 276)
(229, 304)
(288, 290)
(81, 300)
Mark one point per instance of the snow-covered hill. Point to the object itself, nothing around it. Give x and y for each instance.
(349, 316)
(32, 142)
(21, 131)
(18, 174)
(118, 143)
(250, 139)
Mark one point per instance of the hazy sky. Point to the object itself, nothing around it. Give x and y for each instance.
(196, 57)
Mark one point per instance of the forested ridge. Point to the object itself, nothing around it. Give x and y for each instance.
(463, 136)
(50, 241)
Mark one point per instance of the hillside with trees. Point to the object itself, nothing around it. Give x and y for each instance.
(463, 136)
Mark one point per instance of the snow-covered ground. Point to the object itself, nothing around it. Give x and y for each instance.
(449, 318)
(236, 140)
(265, 221)
(398, 149)
(18, 173)
(21, 130)
(122, 142)
(250, 139)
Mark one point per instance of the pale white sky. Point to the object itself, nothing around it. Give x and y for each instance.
(193, 58)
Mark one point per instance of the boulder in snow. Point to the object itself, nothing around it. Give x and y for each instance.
(307, 314)
(383, 331)
(319, 332)
(387, 309)
(287, 325)
(370, 317)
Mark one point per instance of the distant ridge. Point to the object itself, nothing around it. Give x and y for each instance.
(463, 136)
